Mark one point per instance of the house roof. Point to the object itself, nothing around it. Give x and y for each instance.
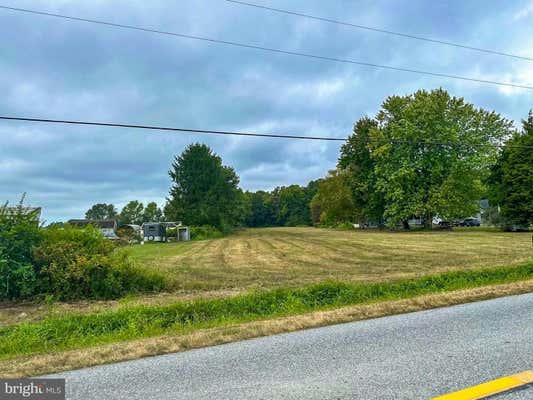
(102, 224)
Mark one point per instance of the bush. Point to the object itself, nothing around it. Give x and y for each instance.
(80, 263)
(127, 236)
(19, 234)
(346, 226)
(64, 261)
(205, 232)
(172, 232)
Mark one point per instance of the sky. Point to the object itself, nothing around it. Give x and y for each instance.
(58, 69)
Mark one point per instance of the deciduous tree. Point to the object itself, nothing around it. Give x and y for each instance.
(356, 159)
(132, 213)
(101, 211)
(432, 153)
(152, 213)
(293, 206)
(334, 199)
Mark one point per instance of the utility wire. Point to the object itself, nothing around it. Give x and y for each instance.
(163, 128)
(374, 29)
(269, 49)
(252, 134)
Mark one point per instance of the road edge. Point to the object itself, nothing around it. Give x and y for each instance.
(104, 354)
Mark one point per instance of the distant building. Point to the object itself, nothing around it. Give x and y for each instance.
(108, 227)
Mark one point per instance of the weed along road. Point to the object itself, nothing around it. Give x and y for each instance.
(420, 355)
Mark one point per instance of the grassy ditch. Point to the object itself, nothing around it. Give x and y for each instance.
(77, 331)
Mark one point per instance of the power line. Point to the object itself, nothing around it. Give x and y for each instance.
(163, 128)
(380, 30)
(269, 49)
(250, 134)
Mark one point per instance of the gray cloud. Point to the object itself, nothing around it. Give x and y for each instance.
(58, 69)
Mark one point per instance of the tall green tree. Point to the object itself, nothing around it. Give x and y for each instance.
(417, 177)
(204, 191)
(511, 180)
(356, 159)
(260, 209)
(152, 213)
(333, 203)
(101, 211)
(132, 213)
(293, 208)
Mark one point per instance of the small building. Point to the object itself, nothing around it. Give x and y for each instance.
(183, 233)
(108, 227)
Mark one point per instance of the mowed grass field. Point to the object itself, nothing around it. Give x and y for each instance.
(273, 257)
(267, 258)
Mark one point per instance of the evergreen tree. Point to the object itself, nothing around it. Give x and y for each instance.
(511, 181)
(204, 191)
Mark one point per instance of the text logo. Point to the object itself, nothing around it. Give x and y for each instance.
(33, 389)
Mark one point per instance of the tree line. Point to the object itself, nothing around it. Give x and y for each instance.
(132, 213)
(423, 155)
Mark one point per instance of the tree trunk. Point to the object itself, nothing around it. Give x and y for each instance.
(428, 223)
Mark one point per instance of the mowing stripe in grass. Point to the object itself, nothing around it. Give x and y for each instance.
(76, 331)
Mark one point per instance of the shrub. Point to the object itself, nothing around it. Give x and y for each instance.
(346, 226)
(64, 261)
(205, 232)
(127, 236)
(80, 263)
(19, 234)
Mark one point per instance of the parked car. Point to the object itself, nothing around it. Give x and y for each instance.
(470, 222)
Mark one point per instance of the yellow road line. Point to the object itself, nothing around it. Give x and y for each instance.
(490, 388)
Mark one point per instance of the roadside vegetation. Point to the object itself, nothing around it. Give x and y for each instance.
(64, 263)
(74, 331)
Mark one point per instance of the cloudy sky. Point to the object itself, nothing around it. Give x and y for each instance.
(52, 68)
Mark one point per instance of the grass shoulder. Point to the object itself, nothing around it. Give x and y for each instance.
(77, 331)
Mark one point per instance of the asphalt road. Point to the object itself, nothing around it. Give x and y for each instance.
(411, 356)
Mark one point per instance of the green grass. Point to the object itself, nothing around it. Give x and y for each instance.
(77, 331)
(267, 258)
(151, 251)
